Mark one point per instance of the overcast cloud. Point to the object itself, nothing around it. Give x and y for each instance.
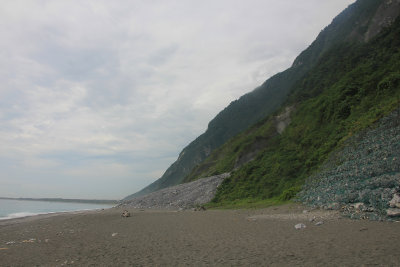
(98, 98)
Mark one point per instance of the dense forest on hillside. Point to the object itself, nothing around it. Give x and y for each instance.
(352, 86)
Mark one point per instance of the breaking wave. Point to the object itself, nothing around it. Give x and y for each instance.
(19, 215)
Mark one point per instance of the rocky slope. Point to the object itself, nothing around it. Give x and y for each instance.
(184, 196)
(363, 178)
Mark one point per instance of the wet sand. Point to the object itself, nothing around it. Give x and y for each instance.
(264, 237)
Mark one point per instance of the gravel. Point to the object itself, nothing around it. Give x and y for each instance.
(183, 196)
(363, 177)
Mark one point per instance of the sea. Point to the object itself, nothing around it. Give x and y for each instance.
(10, 208)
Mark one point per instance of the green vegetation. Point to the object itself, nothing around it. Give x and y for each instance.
(352, 86)
(235, 118)
(336, 87)
(264, 100)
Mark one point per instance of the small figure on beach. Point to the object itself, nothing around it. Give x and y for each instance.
(126, 214)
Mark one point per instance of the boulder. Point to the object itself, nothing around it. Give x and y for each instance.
(359, 206)
(300, 226)
(393, 212)
(395, 202)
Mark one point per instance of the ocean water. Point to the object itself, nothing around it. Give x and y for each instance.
(10, 208)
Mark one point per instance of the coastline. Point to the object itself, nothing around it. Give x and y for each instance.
(18, 208)
(212, 237)
(33, 217)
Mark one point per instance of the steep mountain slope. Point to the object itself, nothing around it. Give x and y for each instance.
(352, 85)
(359, 22)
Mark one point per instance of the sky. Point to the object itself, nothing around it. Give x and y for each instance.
(98, 98)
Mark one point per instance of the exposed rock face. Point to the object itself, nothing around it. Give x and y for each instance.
(384, 17)
(283, 120)
(181, 196)
(363, 179)
(366, 28)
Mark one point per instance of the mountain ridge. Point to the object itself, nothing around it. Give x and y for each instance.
(360, 19)
(351, 87)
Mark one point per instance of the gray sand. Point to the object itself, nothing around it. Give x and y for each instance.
(264, 237)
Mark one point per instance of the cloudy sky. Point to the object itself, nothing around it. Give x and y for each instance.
(97, 98)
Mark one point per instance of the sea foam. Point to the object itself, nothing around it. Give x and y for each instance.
(19, 215)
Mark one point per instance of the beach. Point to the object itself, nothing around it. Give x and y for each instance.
(265, 237)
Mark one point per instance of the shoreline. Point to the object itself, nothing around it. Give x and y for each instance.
(264, 237)
(65, 200)
(17, 208)
(39, 216)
